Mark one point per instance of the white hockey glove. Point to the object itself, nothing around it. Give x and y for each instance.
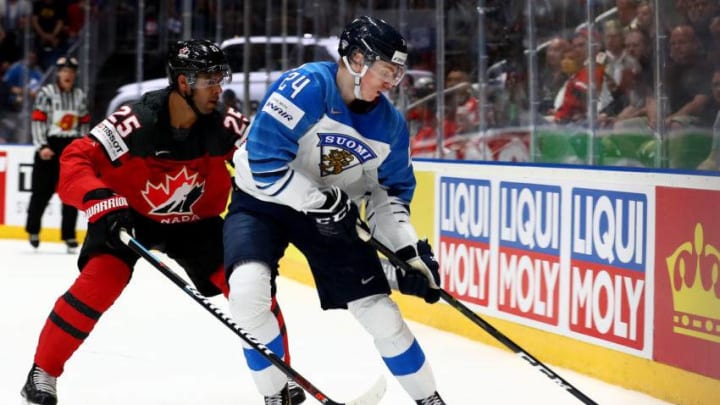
(337, 217)
(425, 282)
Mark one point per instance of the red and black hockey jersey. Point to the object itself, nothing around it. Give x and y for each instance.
(133, 153)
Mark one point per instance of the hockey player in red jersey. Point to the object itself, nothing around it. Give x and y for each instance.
(157, 169)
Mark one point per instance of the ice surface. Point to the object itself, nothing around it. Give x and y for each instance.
(158, 346)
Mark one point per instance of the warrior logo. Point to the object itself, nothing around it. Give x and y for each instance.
(340, 152)
(176, 195)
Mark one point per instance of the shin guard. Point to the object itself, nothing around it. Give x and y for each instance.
(77, 311)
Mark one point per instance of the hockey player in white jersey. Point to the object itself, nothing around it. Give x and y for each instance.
(324, 140)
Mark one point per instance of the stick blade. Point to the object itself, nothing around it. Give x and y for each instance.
(373, 395)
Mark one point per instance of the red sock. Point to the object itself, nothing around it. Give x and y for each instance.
(275, 308)
(77, 311)
(218, 279)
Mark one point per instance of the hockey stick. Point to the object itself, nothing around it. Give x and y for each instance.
(371, 397)
(364, 234)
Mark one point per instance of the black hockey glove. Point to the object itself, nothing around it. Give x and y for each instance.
(337, 217)
(107, 213)
(425, 281)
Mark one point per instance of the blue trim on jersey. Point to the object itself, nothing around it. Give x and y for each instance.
(273, 175)
(256, 361)
(289, 176)
(407, 362)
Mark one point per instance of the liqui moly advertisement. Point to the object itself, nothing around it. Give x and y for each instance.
(566, 259)
(529, 251)
(608, 265)
(465, 238)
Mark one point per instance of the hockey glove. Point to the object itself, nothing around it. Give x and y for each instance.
(337, 217)
(425, 281)
(107, 213)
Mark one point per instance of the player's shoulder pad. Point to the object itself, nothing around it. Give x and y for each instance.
(235, 123)
(115, 131)
(294, 95)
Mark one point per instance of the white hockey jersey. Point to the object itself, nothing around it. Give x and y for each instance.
(304, 139)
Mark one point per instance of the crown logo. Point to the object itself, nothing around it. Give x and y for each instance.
(694, 270)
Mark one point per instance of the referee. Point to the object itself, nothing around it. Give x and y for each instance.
(60, 114)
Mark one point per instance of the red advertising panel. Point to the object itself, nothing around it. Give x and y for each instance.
(529, 251)
(464, 238)
(608, 263)
(3, 184)
(687, 280)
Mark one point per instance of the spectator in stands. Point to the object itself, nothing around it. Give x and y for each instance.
(424, 143)
(75, 19)
(713, 53)
(645, 19)
(639, 80)
(229, 100)
(418, 115)
(462, 104)
(48, 23)
(405, 93)
(687, 84)
(573, 97)
(699, 14)
(626, 12)
(9, 50)
(551, 77)
(14, 80)
(673, 18)
(16, 14)
(713, 160)
(619, 66)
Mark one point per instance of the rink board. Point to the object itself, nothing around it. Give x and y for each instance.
(574, 266)
(607, 272)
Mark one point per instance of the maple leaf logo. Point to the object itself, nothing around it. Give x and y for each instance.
(176, 195)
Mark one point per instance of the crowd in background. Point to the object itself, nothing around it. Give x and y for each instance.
(612, 67)
(617, 72)
(52, 25)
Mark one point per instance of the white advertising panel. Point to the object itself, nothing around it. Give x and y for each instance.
(16, 162)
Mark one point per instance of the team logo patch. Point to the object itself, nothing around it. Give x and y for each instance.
(339, 152)
(176, 195)
(283, 110)
(67, 122)
(110, 139)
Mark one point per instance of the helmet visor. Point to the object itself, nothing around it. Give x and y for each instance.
(389, 72)
(216, 77)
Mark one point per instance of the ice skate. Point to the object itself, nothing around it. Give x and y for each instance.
(281, 398)
(72, 245)
(34, 240)
(297, 394)
(39, 388)
(433, 399)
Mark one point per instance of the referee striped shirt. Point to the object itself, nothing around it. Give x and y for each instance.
(57, 113)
